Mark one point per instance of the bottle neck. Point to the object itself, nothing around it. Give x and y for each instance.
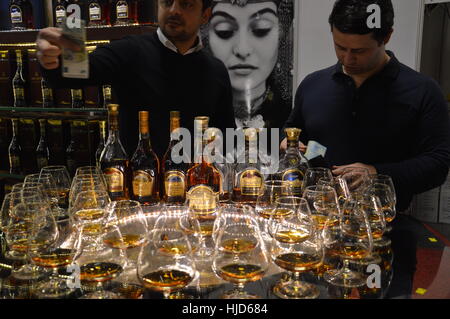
(113, 127)
(15, 129)
(292, 143)
(42, 131)
(251, 153)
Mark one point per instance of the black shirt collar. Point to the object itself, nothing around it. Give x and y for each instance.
(390, 71)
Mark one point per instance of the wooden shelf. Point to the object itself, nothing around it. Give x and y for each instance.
(28, 37)
(53, 113)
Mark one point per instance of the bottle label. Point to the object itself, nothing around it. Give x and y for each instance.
(251, 181)
(60, 13)
(174, 184)
(16, 14)
(202, 200)
(294, 179)
(142, 184)
(115, 180)
(19, 93)
(122, 10)
(95, 13)
(14, 162)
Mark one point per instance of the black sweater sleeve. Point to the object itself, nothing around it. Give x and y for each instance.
(429, 167)
(106, 64)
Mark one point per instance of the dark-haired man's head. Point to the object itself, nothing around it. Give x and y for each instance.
(359, 46)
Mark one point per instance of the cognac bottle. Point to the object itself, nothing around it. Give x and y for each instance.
(98, 12)
(173, 172)
(107, 95)
(42, 151)
(145, 167)
(15, 150)
(114, 161)
(77, 98)
(126, 12)
(101, 144)
(202, 172)
(60, 12)
(21, 13)
(18, 82)
(47, 94)
(248, 179)
(293, 164)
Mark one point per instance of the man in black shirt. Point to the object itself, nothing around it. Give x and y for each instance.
(159, 72)
(372, 111)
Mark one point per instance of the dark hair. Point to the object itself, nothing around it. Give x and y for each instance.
(206, 4)
(350, 16)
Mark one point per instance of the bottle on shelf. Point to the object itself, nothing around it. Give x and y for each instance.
(6, 92)
(18, 82)
(173, 173)
(99, 13)
(293, 164)
(77, 98)
(77, 152)
(47, 94)
(145, 167)
(202, 171)
(248, 179)
(21, 13)
(42, 151)
(107, 95)
(102, 140)
(59, 12)
(15, 150)
(34, 79)
(126, 12)
(114, 161)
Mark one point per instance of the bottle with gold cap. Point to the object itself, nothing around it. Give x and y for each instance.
(202, 172)
(248, 179)
(18, 82)
(15, 149)
(114, 161)
(42, 151)
(145, 167)
(174, 171)
(293, 164)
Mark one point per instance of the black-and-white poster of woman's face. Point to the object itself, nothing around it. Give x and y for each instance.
(245, 36)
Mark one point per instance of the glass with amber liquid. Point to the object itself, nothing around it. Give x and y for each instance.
(18, 82)
(165, 263)
(202, 172)
(174, 170)
(145, 167)
(248, 179)
(240, 253)
(114, 161)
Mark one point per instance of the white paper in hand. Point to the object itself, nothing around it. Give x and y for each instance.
(75, 64)
(314, 150)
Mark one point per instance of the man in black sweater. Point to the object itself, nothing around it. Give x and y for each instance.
(374, 112)
(159, 72)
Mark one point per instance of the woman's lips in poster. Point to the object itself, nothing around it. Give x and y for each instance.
(242, 69)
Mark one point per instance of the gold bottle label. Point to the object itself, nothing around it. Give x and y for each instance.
(95, 13)
(142, 184)
(16, 14)
(60, 13)
(251, 181)
(115, 180)
(174, 184)
(122, 10)
(202, 200)
(294, 178)
(19, 93)
(14, 161)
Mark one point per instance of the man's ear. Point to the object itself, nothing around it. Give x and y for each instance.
(388, 37)
(206, 15)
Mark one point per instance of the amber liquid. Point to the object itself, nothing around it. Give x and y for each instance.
(277, 214)
(57, 258)
(291, 236)
(173, 249)
(240, 273)
(99, 271)
(297, 262)
(163, 279)
(90, 214)
(127, 241)
(238, 245)
(349, 250)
